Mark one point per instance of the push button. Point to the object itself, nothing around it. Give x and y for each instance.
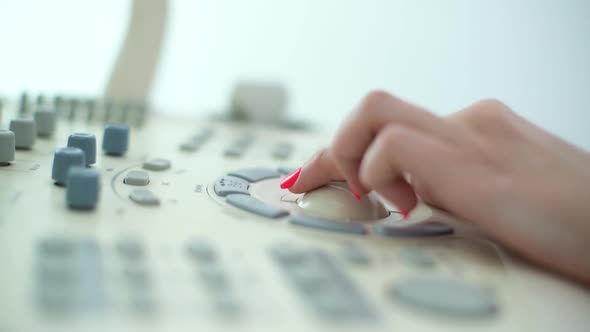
(45, 121)
(227, 185)
(144, 197)
(115, 140)
(415, 230)
(255, 174)
(255, 206)
(157, 164)
(446, 297)
(137, 178)
(25, 132)
(7, 146)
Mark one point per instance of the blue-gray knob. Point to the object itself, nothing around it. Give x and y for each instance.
(45, 121)
(82, 187)
(24, 131)
(6, 147)
(116, 139)
(63, 159)
(85, 142)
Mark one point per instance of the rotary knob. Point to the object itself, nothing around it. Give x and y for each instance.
(45, 121)
(6, 147)
(25, 132)
(115, 140)
(83, 186)
(63, 159)
(85, 142)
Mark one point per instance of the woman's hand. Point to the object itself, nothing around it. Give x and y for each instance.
(524, 187)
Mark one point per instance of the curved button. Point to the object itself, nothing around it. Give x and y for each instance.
(157, 164)
(415, 230)
(227, 185)
(137, 178)
(255, 174)
(447, 297)
(328, 225)
(144, 197)
(255, 206)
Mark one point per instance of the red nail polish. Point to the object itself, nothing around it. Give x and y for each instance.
(289, 180)
(404, 214)
(358, 197)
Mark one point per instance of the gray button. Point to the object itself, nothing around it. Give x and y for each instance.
(255, 174)
(157, 164)
(7, 146)
(213, 278)
(144, 197)
(137, 178)
(253, 205)
(446, 297)
(202, 136)
(354, 254)
(188, 146)
(227, 185)
(55, 246)
(45, 121)
(201, 251)
(415, 230)
(25, 131)
(282, 150)
(328, 225)
(234, 151)
(416, 257)
(130, 248)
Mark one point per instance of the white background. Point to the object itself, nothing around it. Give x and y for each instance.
(532, 54)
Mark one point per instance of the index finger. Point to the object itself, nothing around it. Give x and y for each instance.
(377, 110)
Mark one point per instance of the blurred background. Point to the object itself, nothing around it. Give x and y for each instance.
(532, 54)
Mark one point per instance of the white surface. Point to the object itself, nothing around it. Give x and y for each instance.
(442, 54)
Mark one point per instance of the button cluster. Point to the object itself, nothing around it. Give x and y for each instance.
(139, 178)
(322, 285)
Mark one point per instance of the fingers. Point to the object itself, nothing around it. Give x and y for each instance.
(378, 110)
(320, 170)
(398, 151)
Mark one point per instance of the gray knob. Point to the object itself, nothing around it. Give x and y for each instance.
(115, 140)
(83, 185)
(45, 121)
(6, 147)
(25, 132)
(63, 159)
(85, 142)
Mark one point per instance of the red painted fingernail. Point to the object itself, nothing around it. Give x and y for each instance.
(289, 180)
(404, 214)
(358, 197)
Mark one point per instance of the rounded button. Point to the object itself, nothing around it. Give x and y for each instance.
(45, 121)
(446, 297)
(7, 145)
(25, 132)
(335, 201)
(116, 139)
(83, 185)
(63, 159)
(85, 142)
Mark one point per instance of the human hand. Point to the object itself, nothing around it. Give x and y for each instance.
(523, 186)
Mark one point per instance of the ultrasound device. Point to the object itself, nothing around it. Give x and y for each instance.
(118, 217)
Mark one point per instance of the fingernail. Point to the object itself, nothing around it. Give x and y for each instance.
(358, 197)
(289, 180)
(404, 214)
